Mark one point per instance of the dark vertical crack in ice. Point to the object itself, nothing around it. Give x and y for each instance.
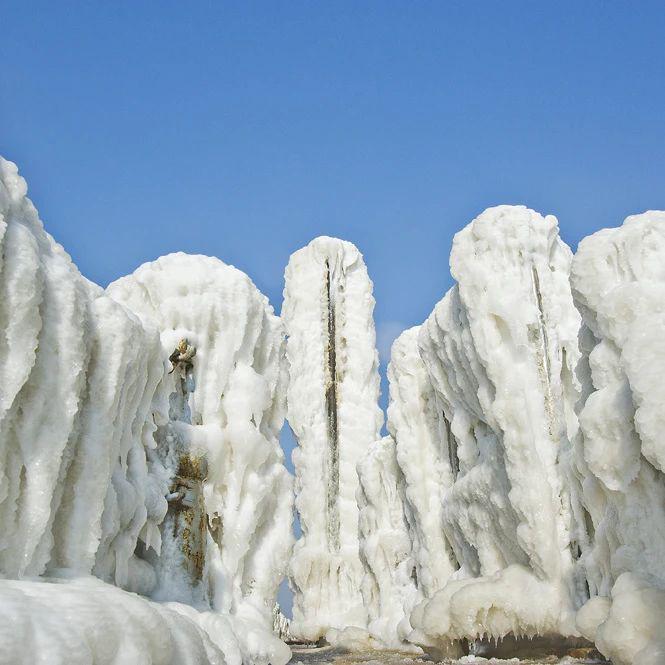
(543, 327)
(331, 419)
(452, 447)
(544, 368)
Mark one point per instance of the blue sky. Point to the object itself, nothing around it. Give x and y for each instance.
(243, 130)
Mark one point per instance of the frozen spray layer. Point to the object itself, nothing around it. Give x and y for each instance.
(390, 584)
(501, 349)
(403, 479)
(416, 424)
(80, 492)
(332, 407)
(84, 414)
(77, 489)
(618, 279)
(220, 440)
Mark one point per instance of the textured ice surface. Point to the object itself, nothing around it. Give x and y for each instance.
(77, 488)
(501, 350)
(87, 621)
(224, 417)
(95, 434)
(333, 411)
(390, 584)
(416, 425)
(618, 278)
(146, 515)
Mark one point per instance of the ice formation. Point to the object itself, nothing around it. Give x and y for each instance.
(145, 511)
(96, 437)
(416, 425)
(538, 429)
(220, 438)
(280, 624)
(390, 583)
(402, 481)
(78, 489)
(87, 621)
(618, 279)
(332, 407)
(500, 354)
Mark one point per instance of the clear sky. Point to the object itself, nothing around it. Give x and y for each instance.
(243, 130)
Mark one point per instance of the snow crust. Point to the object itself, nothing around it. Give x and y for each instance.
(332, 408)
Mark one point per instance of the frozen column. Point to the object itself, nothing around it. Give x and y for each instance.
(219, 413)
(501, 350)
(332, 407)
(618, 280)
(419, 429)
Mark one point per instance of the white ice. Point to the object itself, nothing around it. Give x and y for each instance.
(618, 278)
(92, 427)
(500, 352)
(230, 414)
(77, 488)
(390, 583)
(145, 515)
(332, 407)
(416, 425)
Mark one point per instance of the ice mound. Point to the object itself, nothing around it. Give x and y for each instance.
(631, 632)
(87, 621)
(333, 411)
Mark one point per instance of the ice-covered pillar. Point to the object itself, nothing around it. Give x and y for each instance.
(403, 480)
(219, 415)
(77, 375)
(501, 350)
(390, 585)
(421, 445)
(185, 528)
(332, 407)
(618, 280)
